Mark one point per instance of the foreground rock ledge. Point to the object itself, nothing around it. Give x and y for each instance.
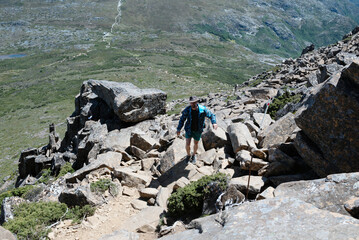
(277, 218)
(130, 103)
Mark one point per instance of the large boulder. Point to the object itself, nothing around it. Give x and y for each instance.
(110, 160)
(329, 193)
(240, 137)
(27, 162)
(79, 196)
(330, 122)
(130, 178)
(214, 138)
(278, 132)
(276, 218)
(129, 103)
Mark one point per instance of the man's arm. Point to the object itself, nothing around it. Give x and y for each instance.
(211, 116)
(182, 120)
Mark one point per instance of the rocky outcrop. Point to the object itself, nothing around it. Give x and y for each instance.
(277, 218)
(329, 193)
(330, 121)
(129, 103)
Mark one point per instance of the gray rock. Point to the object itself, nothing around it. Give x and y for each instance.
(176, 153)
(138, 152)
(162, 196)
(79, 196)
(129, 103)
(240, 137)
(280, 164)
(138, 204)
(132, 179)
(259, 153)
(329, 193)
(149, 215)
(208, 157)
(255, 183)
(121, 235)
(116, 140)
(6, 234)
(7, 208)
(330, 121)
(143, 141)
(110, 160)
(277, 218)
(266, 118)
(180, 183)
(266, 194)
(214, 138)
(278, 132)
(263, 93)
(148, 192)
(352, 207)
(147, 163)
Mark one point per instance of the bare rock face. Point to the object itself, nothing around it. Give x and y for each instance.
(330, 193)
(278, 132)
(79, 196)
(276, 218)
(330, 122)
(129, 103)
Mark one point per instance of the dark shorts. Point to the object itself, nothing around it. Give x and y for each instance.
(195, 135)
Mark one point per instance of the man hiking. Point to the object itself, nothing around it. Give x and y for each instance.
(194, 116)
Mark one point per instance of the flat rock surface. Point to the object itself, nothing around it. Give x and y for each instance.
(277, 218)
(329, 193)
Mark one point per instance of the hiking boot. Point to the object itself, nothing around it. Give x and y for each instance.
(187, 158)
(193, 159)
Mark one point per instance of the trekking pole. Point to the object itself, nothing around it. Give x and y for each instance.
(249, 176)
(265, 112)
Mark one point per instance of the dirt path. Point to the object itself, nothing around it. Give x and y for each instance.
(107, 219)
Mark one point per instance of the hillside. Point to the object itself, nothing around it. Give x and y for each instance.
(289, 174)
(181, 47)
(282, 27)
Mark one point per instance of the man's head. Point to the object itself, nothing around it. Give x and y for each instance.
(193, 101)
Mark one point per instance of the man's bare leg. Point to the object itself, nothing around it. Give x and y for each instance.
(195, 147)
(188, 146)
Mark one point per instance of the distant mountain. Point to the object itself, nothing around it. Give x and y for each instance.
(271, 26)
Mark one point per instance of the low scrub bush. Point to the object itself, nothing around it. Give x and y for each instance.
(189, 200)
(16, 192)
(102, 185)
(66, 168)
(279, 102)
(31, 219)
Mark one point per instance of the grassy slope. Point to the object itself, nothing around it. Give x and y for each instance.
(39, 89)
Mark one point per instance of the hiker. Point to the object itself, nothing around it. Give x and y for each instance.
(194, 116)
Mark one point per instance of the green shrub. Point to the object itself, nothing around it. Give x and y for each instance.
(45, 176)
(102, 185)
(66, 168)
(16, 192)
(189, 200)
(31, 219)
(279, 102)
